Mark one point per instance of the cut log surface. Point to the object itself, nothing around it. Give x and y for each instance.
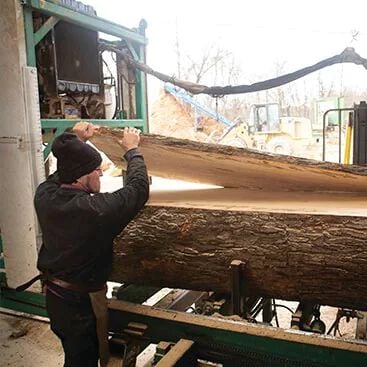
(235, 167)
(300, 226)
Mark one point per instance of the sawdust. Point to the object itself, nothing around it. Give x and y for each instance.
(31, 343)
(170, 117)
(28, 343)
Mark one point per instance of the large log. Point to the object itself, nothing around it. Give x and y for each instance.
(299, 225)
(317, 258)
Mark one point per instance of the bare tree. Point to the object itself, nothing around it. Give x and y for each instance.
(178, 51)
(215, 66)
(207, 65)
(325, 90)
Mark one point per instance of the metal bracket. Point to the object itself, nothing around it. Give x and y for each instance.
(237, 268)
(361, 329)
(161, 350)
(303, 316)
(130, 340)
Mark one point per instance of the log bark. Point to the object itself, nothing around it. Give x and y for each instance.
(299, 225)
(316, 258)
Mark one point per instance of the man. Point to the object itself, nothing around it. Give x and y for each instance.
(78, 225)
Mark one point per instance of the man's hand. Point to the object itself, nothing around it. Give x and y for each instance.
(130, 139)
(84, 130)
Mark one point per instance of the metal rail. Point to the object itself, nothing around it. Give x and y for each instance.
(221, 339)
(339, 110)
(184, 96)
(324, 129)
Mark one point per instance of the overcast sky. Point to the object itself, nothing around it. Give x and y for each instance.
(259, 33)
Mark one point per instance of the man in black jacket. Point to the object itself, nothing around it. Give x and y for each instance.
(78, 225)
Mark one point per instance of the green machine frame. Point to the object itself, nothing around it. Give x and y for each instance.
(135, 41)
(28, 302)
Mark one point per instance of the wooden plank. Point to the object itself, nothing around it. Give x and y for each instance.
(176, 354)
(235, 167)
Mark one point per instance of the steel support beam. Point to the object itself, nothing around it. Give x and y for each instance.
(61, 125)
(46, 27)
(68, 123)
(29, 37)
(85, 20)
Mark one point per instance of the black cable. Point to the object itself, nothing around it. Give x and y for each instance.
(286, 307)
(275, 312)
(334, 325)
(340, 334)
(116, 103)
(108, 68)
(348, 56)
(191, 308)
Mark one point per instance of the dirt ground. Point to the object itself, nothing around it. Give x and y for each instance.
(169, 117)
(28, 343)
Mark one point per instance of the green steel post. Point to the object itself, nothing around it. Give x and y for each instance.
(143, 76)
(29, 38)
(144, 92)
(141, 92)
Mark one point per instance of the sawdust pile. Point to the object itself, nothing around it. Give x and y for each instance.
(171, 117)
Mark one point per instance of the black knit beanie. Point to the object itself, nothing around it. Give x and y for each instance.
(74, 157)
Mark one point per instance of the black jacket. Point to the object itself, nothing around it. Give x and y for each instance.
(79, 228)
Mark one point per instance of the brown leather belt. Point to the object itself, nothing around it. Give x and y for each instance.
(73, 287)
(60, 283)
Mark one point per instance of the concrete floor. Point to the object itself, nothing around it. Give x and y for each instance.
(30, 343)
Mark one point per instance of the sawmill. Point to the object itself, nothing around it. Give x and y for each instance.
(201, 275)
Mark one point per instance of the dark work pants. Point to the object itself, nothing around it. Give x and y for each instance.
(74, 322)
